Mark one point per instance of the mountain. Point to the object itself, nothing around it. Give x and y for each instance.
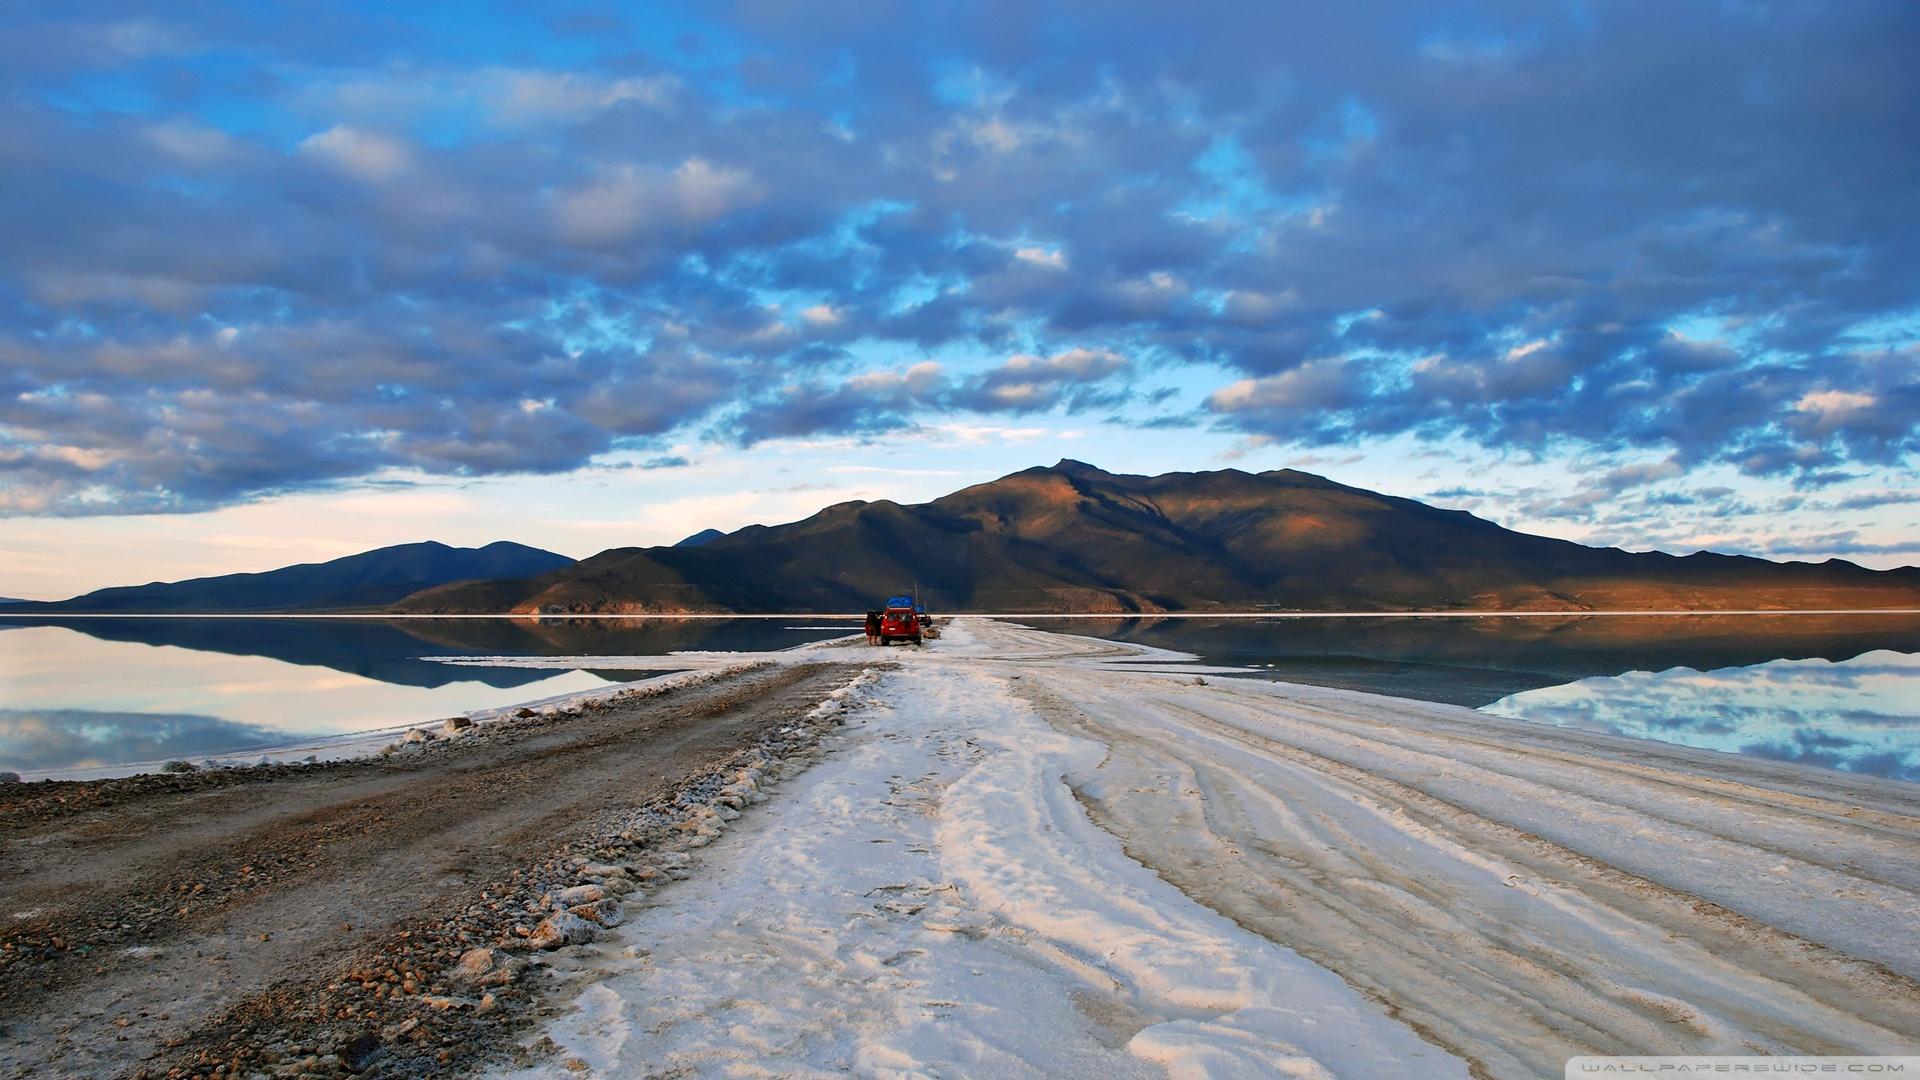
(367, 580)
(1076, 538)
(701, 537)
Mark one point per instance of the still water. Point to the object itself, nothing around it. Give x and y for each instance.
(91, 692)
(1840, 691)
(1836, 691)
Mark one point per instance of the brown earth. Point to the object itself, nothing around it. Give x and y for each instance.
(1073, 538)
(303, 920)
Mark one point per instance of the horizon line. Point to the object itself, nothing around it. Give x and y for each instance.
(1464, 614)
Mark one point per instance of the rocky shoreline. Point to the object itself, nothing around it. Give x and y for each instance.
(412, 981)
(458, 992)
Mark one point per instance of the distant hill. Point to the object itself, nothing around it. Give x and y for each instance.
(368, 580)
(702, 537)
(1076, 538)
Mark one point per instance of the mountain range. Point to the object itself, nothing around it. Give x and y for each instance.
(1065, 538)
(1075, 538)
(369, 580)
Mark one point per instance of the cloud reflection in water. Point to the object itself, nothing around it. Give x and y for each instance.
(1861, 715)
(32, 739)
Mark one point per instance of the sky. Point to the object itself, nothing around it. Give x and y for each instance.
(281, 283)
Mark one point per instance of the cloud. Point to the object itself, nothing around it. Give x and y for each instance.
(1586, 234)
(367, 155)
(1049, 258)
(627, 199)
(1027, 383)
(540, 96)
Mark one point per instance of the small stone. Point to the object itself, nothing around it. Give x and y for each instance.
(474, 964)
(602, 912)
(179, 767)
(579, 894)
(454, 724)
(561, 928)
(418, 735)
(9, 777)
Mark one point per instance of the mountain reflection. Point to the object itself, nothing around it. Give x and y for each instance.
(81, 693)
(1474, 661)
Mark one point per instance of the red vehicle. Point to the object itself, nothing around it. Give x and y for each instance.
(899, 623)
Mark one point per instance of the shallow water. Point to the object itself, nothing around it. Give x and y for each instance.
(1838, 691)
(1861, 714)
(92, 692)
(1841, 691)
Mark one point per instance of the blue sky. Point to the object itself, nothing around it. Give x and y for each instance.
(285, 283)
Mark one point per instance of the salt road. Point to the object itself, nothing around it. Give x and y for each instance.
(1035, 854)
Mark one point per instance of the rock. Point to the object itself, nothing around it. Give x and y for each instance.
(418, 735)
(579, 894)
(561, 928)
(360, 1052)
(526, 714)
(604, 912)
(454, 724)
(474, 964)
(180, 767)
(9, 777)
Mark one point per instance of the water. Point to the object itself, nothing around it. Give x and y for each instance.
(1837, 691)
(98, 692)
(1861, 714)
(1840, 691)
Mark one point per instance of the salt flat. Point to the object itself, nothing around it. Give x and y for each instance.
(1032, 853)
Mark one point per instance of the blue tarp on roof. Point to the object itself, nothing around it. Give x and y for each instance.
(899, 601)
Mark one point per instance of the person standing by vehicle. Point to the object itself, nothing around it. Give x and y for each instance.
(873, 628)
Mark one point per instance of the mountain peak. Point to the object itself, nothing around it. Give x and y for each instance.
(1079, 468)
(368, 579)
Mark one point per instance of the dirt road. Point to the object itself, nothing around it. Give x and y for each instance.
(281, 921)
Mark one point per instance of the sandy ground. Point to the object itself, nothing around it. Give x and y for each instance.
(1025, 854)
(1031, 854)
(155, 922)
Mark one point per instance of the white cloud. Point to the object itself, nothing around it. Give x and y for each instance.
(1831, 409)
(988, 434)
(523, 96)
(629, 199)
(368, 155)
(1051, 258)
(1316, 384)
(821, 316)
